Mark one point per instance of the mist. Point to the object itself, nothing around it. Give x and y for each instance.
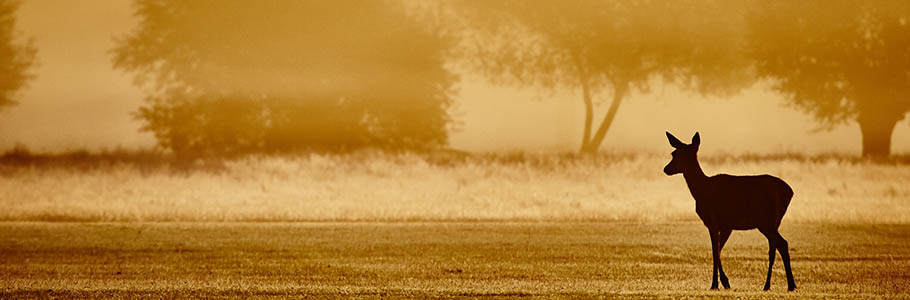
(78, 100)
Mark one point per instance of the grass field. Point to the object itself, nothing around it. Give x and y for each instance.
(380, 225)
(373, 186)
(624, 260)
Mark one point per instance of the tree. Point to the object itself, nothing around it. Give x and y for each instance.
(606, 45)
(226, 77)
(839, 60)
(16, 58)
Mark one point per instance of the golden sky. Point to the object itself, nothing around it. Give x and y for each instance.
(79, 101)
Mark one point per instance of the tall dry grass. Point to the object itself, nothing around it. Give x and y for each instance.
(380, 186)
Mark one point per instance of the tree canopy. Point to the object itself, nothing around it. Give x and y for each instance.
(607, 45)
(839, 60)
(242, 76)
(16, 57)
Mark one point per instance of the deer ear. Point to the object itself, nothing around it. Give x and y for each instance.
(676, 143)
(696, 140)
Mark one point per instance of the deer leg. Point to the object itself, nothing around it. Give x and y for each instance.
(715, 257)
(784, 249)
(772, 246)
(723, 235)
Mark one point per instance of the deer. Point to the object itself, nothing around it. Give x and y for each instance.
(726, 202)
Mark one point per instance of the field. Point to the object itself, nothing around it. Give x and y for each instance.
(372, 186)
(439, 260)
(375, 225)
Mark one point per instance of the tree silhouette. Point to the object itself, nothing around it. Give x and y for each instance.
(227, 77)
(839, 60)
(606, 45)
(16, 58)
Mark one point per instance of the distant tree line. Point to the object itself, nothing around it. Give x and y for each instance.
(232, 77)
(612, 46)
(841, 60)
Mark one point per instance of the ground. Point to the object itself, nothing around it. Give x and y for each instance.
(440, 260)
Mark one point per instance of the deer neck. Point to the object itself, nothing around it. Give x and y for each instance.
(695, 179)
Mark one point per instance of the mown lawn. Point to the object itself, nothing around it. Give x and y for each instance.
(439, 260)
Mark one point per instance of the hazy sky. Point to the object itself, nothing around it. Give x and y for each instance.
(78, 100)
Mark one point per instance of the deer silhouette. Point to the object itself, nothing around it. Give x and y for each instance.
(726, 203)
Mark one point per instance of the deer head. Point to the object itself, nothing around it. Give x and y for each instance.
(684, 157)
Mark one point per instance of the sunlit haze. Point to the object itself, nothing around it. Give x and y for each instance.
(78, 101)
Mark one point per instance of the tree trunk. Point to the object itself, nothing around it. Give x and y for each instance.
(876, 131)
(584, 79)
(619, 91)
(589, 115)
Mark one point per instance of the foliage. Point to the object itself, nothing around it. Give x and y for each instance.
(559, 43)
(838, 60)
(230, 77)
(607, 45)
(16, 58)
